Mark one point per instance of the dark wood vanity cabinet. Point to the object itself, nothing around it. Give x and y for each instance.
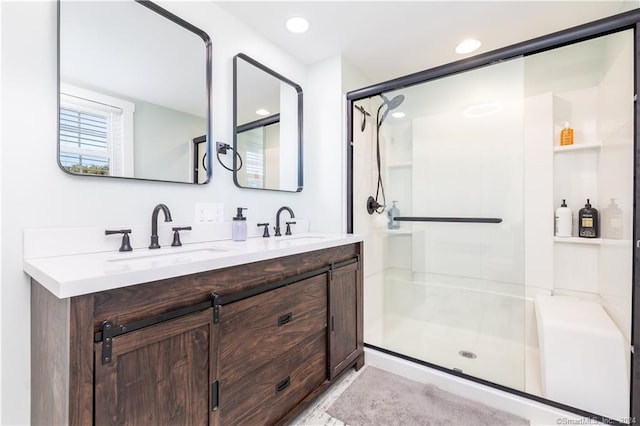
(251, 344)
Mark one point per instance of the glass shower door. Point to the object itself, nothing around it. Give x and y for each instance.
(445, 285)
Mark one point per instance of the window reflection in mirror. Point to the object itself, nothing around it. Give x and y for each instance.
(134, 92)
(268, 128)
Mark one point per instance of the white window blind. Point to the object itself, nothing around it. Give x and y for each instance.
(91, 136)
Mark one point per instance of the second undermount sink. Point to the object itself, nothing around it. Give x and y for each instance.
(178, 256)
(304, 239)
(301, 239)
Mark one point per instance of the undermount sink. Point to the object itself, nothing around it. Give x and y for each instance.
(302, 239)
(182, 256)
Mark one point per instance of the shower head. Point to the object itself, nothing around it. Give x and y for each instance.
(394, 102)
(391, 104)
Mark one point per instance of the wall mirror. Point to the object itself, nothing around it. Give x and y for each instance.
(134, 92)
(267, 128)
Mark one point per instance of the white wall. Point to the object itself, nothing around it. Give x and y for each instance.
(323, 151)
(163, 147)
(1, 235)
(35, 193)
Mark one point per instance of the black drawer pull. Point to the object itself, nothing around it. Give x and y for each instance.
(283, 384)
(285, 319)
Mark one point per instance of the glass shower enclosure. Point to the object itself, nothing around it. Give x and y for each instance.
(455, 181)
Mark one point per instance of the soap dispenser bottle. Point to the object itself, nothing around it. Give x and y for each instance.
(392, 213)
(239, 226)
(588, 221)
(564, 220)
(612, 221)
(566, 135)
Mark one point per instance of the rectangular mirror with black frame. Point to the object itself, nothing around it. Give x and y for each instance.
(267, 128)
(134, 92)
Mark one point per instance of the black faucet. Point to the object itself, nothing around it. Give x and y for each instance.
(277, 228)
(154, 223)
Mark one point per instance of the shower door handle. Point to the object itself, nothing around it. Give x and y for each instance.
(448, 219)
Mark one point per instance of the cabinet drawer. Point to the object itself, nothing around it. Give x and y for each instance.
(264, 328)
(263, 397)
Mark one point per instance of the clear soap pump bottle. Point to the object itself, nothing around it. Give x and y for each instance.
(392, 213)
(239, 226)
(612, 221)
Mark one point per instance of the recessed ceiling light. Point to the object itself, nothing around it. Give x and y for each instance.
(297, 25)
(467, 46)
(397, 114)
(262, 112)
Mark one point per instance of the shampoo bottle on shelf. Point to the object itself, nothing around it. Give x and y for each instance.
(239, 226)
(566, 135)
(564, 220)
(588, 222)
(392, 213)
(612, 221)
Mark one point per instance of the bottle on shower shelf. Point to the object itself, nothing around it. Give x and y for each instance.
(612, 221)
(566, 135)
(392, 213)
(564, 220)
(588, 226)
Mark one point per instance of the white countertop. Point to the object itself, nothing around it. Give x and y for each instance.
(78, 274)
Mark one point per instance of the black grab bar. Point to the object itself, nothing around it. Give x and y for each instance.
(448, 219)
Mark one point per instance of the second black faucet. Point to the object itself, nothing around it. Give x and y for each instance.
(277, 227)
(154, 223)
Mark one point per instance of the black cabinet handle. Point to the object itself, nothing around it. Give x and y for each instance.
(283, 384)
(285, 319)
(333, 323)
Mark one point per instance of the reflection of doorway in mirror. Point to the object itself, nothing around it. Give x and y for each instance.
(200, 159)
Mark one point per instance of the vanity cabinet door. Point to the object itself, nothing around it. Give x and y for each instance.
(345, 317)
(160, 375)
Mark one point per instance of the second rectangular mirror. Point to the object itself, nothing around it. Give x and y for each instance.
(267, 128)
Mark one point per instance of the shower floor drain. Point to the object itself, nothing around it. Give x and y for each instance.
(468, 354)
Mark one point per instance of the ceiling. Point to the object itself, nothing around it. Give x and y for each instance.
(131, 63)
(389, 39)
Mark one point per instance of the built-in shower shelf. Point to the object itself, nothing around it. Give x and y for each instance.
(577, 147)
(396, 232)
(400, 164)
(578, 240)
(593, 241)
